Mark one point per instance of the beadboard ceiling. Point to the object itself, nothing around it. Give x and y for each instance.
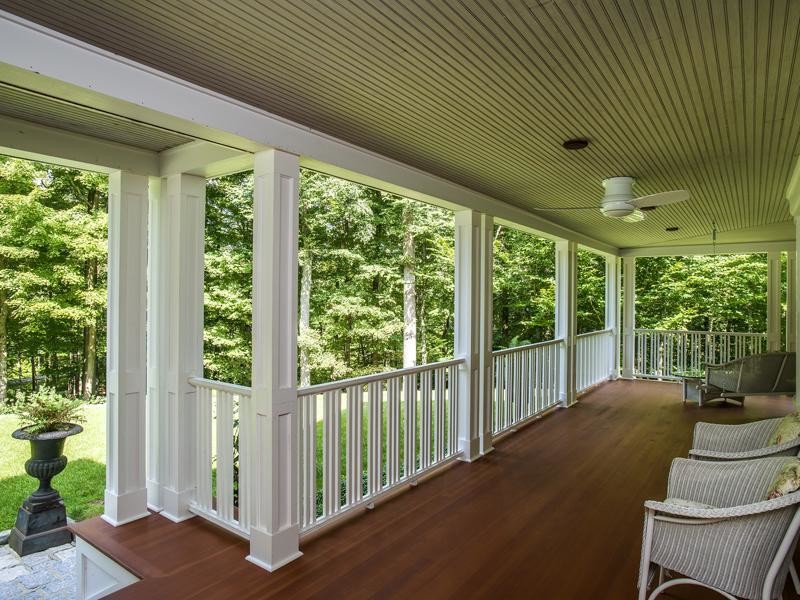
(29, 106)
(694, 94)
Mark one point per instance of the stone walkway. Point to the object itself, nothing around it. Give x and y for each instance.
(45, 575)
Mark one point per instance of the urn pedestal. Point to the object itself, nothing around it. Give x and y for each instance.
(42, 519)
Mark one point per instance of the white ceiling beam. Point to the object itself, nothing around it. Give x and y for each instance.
(698, 249)
(205, 159)
(43, 53)
(31, 141)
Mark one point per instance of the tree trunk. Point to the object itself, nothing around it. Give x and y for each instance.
(305, 319)
(89, 383)
(34, 383)
(409, 291)
(3, 352)
(423, 333)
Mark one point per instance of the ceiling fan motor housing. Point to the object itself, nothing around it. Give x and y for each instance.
(617, 199)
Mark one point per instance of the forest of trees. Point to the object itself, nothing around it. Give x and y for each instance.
(375, 291)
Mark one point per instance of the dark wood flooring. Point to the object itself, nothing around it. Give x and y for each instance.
(554, 512)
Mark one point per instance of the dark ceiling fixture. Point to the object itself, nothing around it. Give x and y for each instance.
(576, 144)
(671, 229)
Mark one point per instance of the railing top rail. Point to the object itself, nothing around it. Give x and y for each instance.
(732, 333)
(527, 347)
(593, 333)
(364, 379)
(221, 386)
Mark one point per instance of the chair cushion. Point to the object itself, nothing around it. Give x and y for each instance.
(788, 429)
(787, 480)
(687, 503)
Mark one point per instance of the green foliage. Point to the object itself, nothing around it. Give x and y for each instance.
(46, 410)
(702, 293)
(524, 288)
(591, 293)
(53, 248)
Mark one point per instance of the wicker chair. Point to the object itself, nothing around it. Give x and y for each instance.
(739, 442)
(741, 549)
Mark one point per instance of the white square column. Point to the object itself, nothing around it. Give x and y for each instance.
(773, 301)
(178, 314)
(791, 302)
(473, 331)
(272, 431)
(126, 492)
(157, 343)
(612, 312)
(628, 316)
(566, 317)
(485, 363)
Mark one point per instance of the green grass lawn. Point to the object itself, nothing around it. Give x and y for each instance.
(81, 484)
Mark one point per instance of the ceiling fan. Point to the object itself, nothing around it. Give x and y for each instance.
(620, 203)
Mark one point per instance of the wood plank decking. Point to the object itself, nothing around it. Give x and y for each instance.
(555, 512)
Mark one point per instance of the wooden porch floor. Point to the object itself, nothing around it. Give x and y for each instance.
(554, 512)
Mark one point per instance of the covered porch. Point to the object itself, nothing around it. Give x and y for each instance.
(210, 484)
(554, 511)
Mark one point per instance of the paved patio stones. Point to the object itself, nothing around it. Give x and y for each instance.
(47, 575)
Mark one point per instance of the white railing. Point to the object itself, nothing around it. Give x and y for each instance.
(526, 382)
(665, 354)
(361, 437)
(221, 470)
(594, 358)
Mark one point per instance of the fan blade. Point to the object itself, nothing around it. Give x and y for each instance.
(634, 217)
(661, 199)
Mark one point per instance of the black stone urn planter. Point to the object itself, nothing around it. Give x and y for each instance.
(42, 519)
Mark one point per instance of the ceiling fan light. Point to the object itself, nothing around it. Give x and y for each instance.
(616, 210)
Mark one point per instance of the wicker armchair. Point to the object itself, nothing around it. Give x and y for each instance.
(739, 442)
(741, 549)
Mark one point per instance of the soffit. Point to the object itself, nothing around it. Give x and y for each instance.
(701, 95)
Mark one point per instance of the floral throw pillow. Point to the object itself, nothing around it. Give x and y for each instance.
(787, 480)
(788, 429)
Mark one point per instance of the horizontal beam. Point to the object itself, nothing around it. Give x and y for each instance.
(41, 54)
(40, 143)
(698, 249)
(205, 159)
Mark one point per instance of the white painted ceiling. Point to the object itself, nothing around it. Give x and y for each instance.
(694, 94)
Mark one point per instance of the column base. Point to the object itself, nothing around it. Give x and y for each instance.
(154, 496)
(124, 508)
(272, 551)
(175, 505)
(470, 450)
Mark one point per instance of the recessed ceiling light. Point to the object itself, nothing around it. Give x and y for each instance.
(671, 229)
(576, 144)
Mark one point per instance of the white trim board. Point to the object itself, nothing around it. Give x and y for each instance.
(698, 249)
(42, 54)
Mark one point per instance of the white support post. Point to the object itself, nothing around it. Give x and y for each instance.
(126, 491)
(468, 330)
(156, 347)
(566, 316)
(486, 331)
(273, 439)
(182, 241)
(628, 316)
(612, 313)
(773, 301)
(791, 302)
